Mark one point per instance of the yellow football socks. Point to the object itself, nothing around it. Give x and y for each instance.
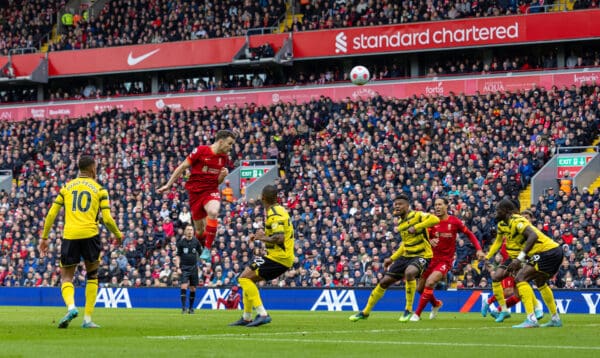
(375, 296)
(548, 298)
(410, 288)
(91, 292)
(499, 294)
(68, 294)
(251, 296)
(527, 296)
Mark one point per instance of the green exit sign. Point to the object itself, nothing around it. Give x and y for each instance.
(573, 161)
(251, 173)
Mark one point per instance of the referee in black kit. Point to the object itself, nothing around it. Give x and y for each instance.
(188, 249)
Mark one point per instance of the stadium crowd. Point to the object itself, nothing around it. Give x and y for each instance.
(25, 24)
(341, 165)
(327, 14)
(28, 23)
(141, 22)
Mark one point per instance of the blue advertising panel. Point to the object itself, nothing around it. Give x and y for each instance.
(567, 301)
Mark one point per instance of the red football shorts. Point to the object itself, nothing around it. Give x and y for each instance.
(508, 282)
(199, 200)
(439, 266)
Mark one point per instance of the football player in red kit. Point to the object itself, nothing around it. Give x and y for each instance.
(208, 166)
(443, 241)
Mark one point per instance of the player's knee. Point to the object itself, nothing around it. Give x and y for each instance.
(92, 275)
(212, 214)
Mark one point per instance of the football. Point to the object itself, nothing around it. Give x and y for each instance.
(359, 75)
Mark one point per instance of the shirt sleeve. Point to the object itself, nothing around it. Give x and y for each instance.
(107, 218)
(276, 223)
(58, 203)
(427, 221)
(495, 246)
(398, 253)
(463, 228)
(195, 155)
(521, 224)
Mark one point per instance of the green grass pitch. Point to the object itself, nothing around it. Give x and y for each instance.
(32, 332)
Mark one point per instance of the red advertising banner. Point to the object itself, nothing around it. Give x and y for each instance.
(24, 65)
(338, 42)
(144, 57)
(448, 34)
(399, 89)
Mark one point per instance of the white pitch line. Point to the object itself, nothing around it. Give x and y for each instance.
(270, 334)
(339, 341)
(251, 335)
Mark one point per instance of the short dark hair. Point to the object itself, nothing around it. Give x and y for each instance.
(269, 194)
(507, 205)
(86, 162)
(224, 134)
(443, 199)
(527, 212)
(403, 197)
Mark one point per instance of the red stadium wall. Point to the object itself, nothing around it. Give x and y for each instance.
(433, 87)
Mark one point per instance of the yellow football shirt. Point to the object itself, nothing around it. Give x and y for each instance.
(279, 222)
(83, 198)
(518, 224)
(417, 244)
(513, 247)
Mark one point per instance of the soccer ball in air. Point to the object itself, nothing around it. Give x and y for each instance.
(359, 75)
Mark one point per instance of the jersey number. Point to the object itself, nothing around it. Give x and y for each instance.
(78, 201)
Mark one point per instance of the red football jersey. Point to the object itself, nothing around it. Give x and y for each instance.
(446, 231)
(205, 169)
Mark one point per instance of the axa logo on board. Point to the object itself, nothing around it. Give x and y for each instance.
(398, 39)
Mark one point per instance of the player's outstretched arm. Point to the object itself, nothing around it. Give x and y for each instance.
(277, 238)
(475, 242)
(495, 246)
(52, 214)
(427, 221)
(110, 224)
(176, 174)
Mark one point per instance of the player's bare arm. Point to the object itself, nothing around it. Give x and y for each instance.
(273, 239)
(43, 247)
(386, 263)
(223, 174)
(176, 175)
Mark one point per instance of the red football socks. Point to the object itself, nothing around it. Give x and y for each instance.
(425, 298)
(210, 232)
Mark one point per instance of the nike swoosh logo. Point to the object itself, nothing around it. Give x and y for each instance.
(132, 61)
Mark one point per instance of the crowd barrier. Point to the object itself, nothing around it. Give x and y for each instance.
(567, 301)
